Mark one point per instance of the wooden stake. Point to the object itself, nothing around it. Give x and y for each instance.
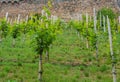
(100, 20)
(0, 36)
(104, 24)
(6, 16)
(119, 19)
(11, 21)
(95, 29)
(18, 19)
(15, 19)
(13, 44)
(43, 12)
(111, 51)
(47, 54)
(80, 17)
(95, 21)
(46, 15)
(90, 18)
(26, 19)
(87, 42)
(8, 20)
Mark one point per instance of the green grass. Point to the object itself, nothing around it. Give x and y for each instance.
(70, 61)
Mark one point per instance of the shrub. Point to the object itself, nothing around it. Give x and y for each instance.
(3, 74)
(82, 68)
(99, 77)
(86, 74)
(106, 12)
(103, 68)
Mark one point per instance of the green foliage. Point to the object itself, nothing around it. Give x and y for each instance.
(114, 26)
(103, 68)
(70, 56)
(16, 30)
(38, 16)
(82, 68)
(99, 77)
(91, 35)
(85, 30)
(4, 28)
(3, 74)
(25, 27)
(106, 12)
(7, 69)
(65, 70)
(86, 74)
(45, 34)
(11, 81)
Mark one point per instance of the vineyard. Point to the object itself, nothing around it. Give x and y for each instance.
(45, 48)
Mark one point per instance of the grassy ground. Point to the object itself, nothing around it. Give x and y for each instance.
(70, 61)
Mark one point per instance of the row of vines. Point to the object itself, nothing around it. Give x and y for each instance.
(43, 28)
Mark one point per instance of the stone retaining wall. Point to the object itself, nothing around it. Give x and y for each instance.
(64, 9)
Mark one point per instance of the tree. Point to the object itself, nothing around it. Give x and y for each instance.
(4, 28)
(45, 33)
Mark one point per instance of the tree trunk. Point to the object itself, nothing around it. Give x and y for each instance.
(114, 72)
(47, 54)
(13, 44)
(87, 43)
(23, 40)
(96, 51)
(104, 21)
(0, 39)
(40, 68)
(95, 29)
(0, 36)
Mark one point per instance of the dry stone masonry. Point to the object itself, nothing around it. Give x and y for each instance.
(62, 8)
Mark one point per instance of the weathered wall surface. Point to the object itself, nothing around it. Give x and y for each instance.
(118, 1)
(83, 6)
(64, 9)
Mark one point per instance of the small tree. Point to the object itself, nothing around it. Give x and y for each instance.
(4, 28)
(45, 33)
(106, 12)
(15, 32)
